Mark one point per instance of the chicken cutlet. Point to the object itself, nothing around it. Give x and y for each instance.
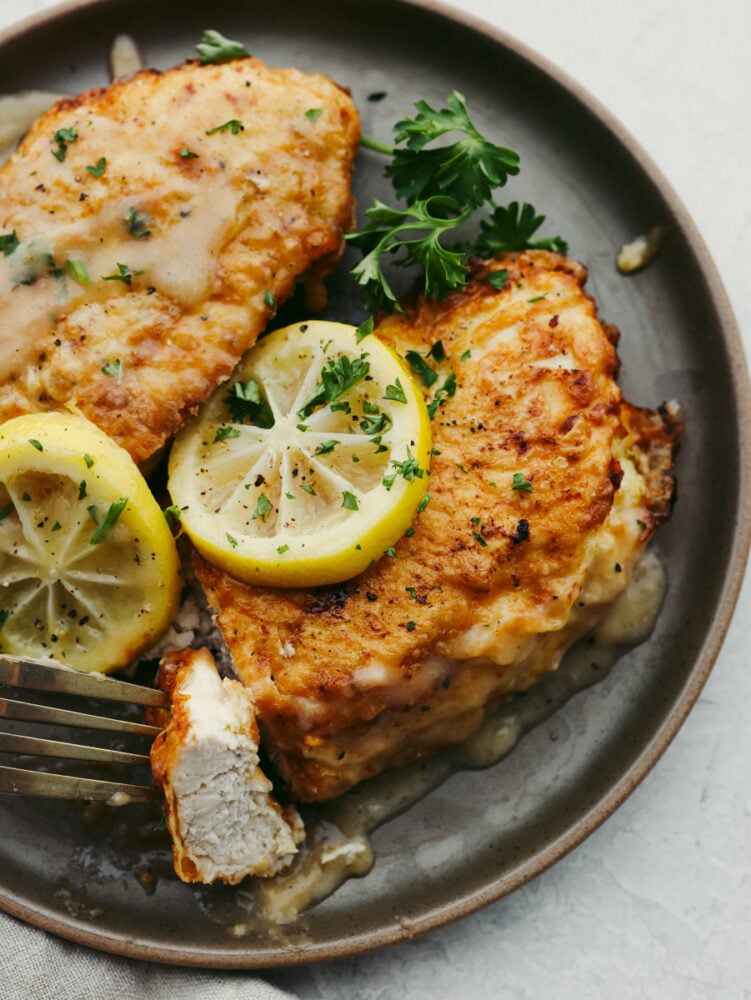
(150, 229)
(545, 485)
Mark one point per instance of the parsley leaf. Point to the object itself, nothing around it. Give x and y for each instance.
(421, 368)
(512, 228)
(247, 405)
(263, 508)
(8, 243)
(79, 272)
(124, 274)
(468, 170)
(234, 125)
(99, 167)
(114, 368)
(396, 392)
(105, 524)
(313, 114)
(137, 224)
(349, 501)
(417, 230)
(63, 137)
(521, 483)
(225, 433)
(215, 48)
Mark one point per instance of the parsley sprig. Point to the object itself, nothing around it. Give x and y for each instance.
(442, 187)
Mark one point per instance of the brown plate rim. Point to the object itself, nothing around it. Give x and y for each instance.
(651, 753)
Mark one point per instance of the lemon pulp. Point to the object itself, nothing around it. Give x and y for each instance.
(310, 464)
(89, 572)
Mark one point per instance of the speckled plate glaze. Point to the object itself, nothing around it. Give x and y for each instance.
(481, 834)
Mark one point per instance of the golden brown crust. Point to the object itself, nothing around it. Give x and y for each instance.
(258, 208)
(484, 597)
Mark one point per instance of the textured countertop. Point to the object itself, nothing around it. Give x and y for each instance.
(657, 902)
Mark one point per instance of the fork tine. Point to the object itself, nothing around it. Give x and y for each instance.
(63, 786)
(32, 746)
(24, 711)
(37, 676)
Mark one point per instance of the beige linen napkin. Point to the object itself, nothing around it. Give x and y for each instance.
(38, 966)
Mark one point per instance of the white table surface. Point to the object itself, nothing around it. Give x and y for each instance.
(657, 902)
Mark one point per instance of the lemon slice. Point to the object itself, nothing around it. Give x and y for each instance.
(89, 573)
(309, 464)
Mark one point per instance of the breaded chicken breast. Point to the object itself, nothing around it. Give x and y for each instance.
(545, 486)
(150, 229)
(224, 821)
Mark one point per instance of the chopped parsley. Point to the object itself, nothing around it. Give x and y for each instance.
(113, 368)
(421, 368)
(437, 352)
(63, 137)
(225, 433)
(263, 508)
(124, 274)
(498, 279)
(137, 224)
(8, 243)
(4, 616)
(105, 524)
(269, 299)
(337, 378)
(247, 405)
(410, 468)
(349, 501)
(215, 48)
(325, 447)
(313, 114)
(234, 125)
(446, 391)
(88, 460)
(172, 515)
(396, 392)
(79, 272)
(281, 549)
(82, 489)
(231, 539)
(36, 444)
(8, 509)
(98, 168)
(519, 482)
(188, 154)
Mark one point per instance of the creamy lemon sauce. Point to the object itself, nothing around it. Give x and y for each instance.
(337, 846)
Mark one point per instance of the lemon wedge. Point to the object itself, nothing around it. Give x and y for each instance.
(89, 572)
(309, 464)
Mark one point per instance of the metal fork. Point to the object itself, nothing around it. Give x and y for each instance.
(32, 675)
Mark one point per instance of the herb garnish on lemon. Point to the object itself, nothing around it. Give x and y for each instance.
(310, 465)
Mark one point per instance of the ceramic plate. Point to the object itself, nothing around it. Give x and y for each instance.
(483, 833)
